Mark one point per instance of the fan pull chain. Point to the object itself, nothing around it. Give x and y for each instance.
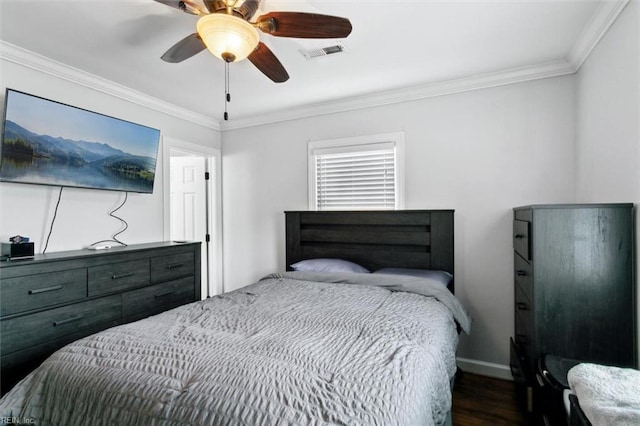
(227, 95)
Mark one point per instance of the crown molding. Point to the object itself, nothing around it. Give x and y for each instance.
(600, 22)
(602, 19)
(28, 59)
(449, 87)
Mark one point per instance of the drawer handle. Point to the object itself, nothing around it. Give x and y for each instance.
(117, 277)
(519, 236)
(166, 293)
(521, 306)
(521, 273)
(46, 289)
(68, 320)
(522, 339)
(175, 265)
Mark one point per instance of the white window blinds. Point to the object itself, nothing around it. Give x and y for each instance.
(356, 177)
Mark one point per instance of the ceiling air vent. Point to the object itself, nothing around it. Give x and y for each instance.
(323, 51)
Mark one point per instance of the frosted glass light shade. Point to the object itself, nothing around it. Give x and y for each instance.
(227, 37)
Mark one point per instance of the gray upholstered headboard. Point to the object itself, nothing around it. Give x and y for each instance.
(374, 239)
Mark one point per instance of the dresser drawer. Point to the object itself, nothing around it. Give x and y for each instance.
(41, 290)
(521, 240)
(165, 268)
(524, 338)
(521, 381)
(523, 301)
(516, 363)
(527, 358)
(117, 277)
(157, 298)
(30, 330)
(524, 324)
(523, 276)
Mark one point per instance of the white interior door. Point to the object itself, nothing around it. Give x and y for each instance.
(188, 201)
(193, 205)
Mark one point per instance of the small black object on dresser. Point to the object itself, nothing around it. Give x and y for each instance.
(17, 251)
(57, 298)
(574, 289)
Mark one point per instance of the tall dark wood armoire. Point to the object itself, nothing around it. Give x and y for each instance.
(574, 288)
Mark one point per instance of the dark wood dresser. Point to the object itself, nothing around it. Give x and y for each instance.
(57, 298)
(574, 288)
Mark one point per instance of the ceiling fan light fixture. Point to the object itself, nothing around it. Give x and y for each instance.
(228, 37)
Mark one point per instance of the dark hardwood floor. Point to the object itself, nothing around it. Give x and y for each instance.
(479, 400)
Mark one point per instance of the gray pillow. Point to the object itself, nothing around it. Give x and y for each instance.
(442, 277)
(328, 265)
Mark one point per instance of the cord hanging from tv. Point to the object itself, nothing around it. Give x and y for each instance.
(53, 221)
(50, 143)
(104, 244)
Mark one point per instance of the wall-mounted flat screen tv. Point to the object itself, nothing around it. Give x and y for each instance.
(51, 143)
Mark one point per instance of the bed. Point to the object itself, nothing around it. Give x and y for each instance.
(296, 347)
(603, 395)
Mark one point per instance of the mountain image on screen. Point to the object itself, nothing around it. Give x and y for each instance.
(33, 158)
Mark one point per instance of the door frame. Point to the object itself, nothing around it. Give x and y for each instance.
(213, 161)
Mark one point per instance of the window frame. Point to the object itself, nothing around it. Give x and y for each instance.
(357, 144)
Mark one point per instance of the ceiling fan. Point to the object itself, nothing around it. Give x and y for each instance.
(226, 29)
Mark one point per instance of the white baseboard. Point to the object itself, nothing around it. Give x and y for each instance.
(483, 368)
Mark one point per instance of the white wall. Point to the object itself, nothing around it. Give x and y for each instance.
(608, 118)
(82, 216)
(481, 153)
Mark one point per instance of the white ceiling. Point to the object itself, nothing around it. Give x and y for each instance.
(396, 47)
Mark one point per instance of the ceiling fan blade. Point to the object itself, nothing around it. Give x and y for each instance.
(171, 3)
(184, 49)
(193, 7)
(248, 8)
(264, 59)
(303, 25)
(213, 5)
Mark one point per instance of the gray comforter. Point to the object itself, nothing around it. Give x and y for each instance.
(289, 349)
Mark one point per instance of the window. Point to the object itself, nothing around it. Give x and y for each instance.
(361, 173)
